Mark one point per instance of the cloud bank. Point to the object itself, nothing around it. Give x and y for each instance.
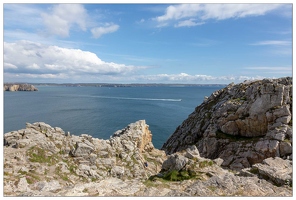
(46, 63)
(38, 60)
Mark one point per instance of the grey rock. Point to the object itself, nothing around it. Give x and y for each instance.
(22, 143)
(275, 169)
(192, 152)
(253, 116)
(82, 149)
(47, 186)
(285, 149)
(23, 185)
(175, 162)
(218, 161)
(117, 171)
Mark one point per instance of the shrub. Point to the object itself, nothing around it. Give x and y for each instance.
(175, 175)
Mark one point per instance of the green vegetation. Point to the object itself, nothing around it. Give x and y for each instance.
(254, 170)
(85, 190)
(61, 175)
(175, 175)
(205, 163)
(152, 182)
(239, 99)
(6, 174)
(212, 188)
(210, 104)
(290, 123)
(37, 154)
(71, 167)
(32, 178)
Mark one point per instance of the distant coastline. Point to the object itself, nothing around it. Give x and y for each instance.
(125, 85)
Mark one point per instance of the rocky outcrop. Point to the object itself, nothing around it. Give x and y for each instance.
(243, 124)
(41, 160)
(40, 152)
(19, 87)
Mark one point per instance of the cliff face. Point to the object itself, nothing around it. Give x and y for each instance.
(243, 124)
(19, 87)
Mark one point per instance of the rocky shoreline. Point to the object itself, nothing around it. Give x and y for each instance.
(19, 87)
(41, 160)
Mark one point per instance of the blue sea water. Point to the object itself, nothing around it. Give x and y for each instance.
(100, 111)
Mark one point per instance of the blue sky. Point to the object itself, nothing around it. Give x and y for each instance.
(146, 43)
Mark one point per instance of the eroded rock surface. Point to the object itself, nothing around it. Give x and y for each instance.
(243, 124)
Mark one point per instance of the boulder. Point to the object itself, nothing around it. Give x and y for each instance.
(174, 162)
(276, 170)
(82, 149)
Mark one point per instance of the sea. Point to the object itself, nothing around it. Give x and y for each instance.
(101, 111)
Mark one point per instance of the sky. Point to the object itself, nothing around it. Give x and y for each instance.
(187, 43)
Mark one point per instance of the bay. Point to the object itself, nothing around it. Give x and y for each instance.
(100, 111)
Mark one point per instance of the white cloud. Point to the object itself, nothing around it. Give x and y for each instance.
(53, 20)
(38, 60)
(226, 11)
(108, 28)
(9, 66)
(203, 12)
(188, 23)
(63, 17)
(179, 12)
(187, 78)
(273, 42)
